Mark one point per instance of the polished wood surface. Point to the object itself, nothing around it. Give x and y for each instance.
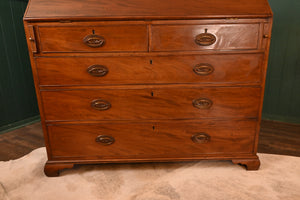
(150, 76)
(52, 170)
(274, 138)
(250, 164)
(155, 103)
(164, 139)
(229, 69)
(279, 138)
(70, 39)
(19, 142)
(145, 9)
(182, 37)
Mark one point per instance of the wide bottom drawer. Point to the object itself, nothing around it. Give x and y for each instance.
(151, 140)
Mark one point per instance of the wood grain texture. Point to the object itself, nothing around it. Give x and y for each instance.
(250, 164)
(20, 142)
(230, 69)
(126, 108)
(275, 138)
(155, 103)
(53, 170)
(147, 140)
(35, 78)
(145, 9)
(117, 38)
(279, 138)
(182, 37)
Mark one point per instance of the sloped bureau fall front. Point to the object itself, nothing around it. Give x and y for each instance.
(149, 80)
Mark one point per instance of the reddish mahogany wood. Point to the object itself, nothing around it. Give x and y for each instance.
(155, 103)
(150, 79)
(249, 163)
(150, 140)
(182, 37)
(43, 10)
(70, 39)
(230, 69)
(53, 169)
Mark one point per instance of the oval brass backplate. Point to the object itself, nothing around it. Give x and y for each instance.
(105, 139)
(203, 69)
(97, 70)
(200, 138)
(202, 103)
(94, 40)
(100, 104)
(205, 39)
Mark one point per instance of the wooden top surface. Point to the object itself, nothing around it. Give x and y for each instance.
(144, 9)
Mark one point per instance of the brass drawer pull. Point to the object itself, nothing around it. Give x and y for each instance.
(94, 40)
(200, 138)
(97, 70)
(203, 69)
(100, 104)
(105, 140)
(205, 39)
(202, 103)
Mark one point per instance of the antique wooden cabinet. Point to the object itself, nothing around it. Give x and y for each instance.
(149, 80)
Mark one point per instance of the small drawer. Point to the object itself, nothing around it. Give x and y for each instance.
(205, 37)
(151, 140)
(155, 103)
(113, 38)
(231, 69)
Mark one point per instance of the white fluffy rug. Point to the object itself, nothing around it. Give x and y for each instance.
(278, 178)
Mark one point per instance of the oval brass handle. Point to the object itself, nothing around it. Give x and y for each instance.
(100, 104)
(200, 138)
(205, 39)
(105, 139)
(203, 69)
(97, 70)
(202, 103)
(94, 40)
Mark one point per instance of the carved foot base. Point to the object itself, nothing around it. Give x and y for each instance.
(250, 164)
(52, 169)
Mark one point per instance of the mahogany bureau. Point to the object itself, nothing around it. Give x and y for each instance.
(149, 80)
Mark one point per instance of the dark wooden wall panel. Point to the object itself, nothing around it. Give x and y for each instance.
(17, 95)
(282, 93)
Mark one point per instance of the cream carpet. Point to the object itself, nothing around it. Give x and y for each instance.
(278, 178)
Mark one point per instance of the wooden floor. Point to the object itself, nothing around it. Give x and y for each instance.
(275, 138)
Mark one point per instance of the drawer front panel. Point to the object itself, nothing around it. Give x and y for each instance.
(148, 140)
(204, 37)
(94, 39)
(133, 104)
(239, 68)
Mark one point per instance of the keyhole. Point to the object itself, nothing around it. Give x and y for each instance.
(152, 93)
(93, 31)
(150, 62)
(153, 127)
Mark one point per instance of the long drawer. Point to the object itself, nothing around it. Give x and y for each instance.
(153, 103)
(112, 38)
(151, 140)
(205, 37)
(236, 68)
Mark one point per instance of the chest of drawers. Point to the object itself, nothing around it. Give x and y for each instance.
(148, 80)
